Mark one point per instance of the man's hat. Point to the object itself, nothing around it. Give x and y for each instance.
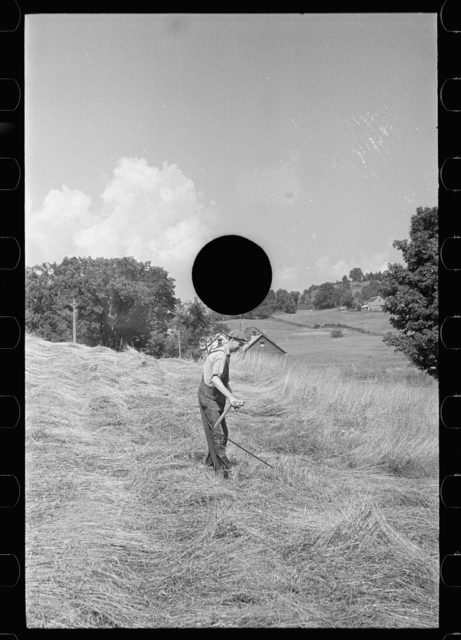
(237, 335)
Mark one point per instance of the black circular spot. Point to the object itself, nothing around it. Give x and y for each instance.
(231, 275)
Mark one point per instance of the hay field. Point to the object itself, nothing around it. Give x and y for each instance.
(358, 355)
(125, 527)
(377, 322)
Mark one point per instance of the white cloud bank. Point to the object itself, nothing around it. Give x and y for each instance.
(147, 212)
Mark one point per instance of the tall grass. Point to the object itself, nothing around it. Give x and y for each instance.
(125, 527)
(327, 414)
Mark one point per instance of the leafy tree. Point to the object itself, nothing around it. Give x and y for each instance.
(344, 294)
(412, 296)
(268, 306)
(157, 344)
(306, 300)
(119, 301)
(345, 279)
(374, 288)
(261, 312)
(326, 296)
(50, 290)
(290, 306)
(191, 322)
(356, 274)
(373, 276)
(283, 299)
(46, 314)
(295, 295)
(270, 301)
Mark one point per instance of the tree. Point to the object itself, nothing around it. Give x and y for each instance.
(295, 295)
(306, 299)
(411, 293)
(192, 321)
(119, 301)
(290, 306)
(283, 299)
(356, 274)
(373, 276)
(326, 297)
(344, 294)
(266, 308)
(345, 279)
(45, 315)
(375, 288)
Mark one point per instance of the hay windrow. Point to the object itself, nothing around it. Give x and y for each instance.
(125, 527)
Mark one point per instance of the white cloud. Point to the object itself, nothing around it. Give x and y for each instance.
(273, 185)
(50, 231)
(147, 212)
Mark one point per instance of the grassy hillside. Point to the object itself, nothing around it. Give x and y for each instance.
(357, 354)
(375, 322)
(125, 527)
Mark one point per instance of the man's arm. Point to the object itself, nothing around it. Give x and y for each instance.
(218, 383)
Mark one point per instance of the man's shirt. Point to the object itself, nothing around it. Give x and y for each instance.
(217, 363)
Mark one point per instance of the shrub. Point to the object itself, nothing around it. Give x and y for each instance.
(336, 333)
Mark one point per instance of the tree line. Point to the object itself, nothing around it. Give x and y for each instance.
(121, 301)
(327, 295)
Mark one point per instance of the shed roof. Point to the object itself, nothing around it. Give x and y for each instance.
(260, 334)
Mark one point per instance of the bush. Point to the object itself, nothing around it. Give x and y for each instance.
(336, 333)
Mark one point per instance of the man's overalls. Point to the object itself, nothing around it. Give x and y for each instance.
(211, 403)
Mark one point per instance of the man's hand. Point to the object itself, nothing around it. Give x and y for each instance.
(235, 402)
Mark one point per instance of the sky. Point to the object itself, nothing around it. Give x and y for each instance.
(149, 135)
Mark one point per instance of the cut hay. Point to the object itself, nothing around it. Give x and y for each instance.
(125, 526)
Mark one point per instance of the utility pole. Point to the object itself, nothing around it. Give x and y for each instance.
(74, 321)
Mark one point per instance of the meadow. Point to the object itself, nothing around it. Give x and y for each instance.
(375, 322)
(357, 354)
(125, 527)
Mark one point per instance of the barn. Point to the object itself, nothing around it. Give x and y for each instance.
(258, 342)
(374, 304)
(207, 343)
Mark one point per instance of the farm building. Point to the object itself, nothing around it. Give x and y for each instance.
(211, 342)
(258, 341)
(374, 304)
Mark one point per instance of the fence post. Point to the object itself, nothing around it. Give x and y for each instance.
(74, 321)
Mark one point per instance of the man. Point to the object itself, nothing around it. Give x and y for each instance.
(213, 393)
